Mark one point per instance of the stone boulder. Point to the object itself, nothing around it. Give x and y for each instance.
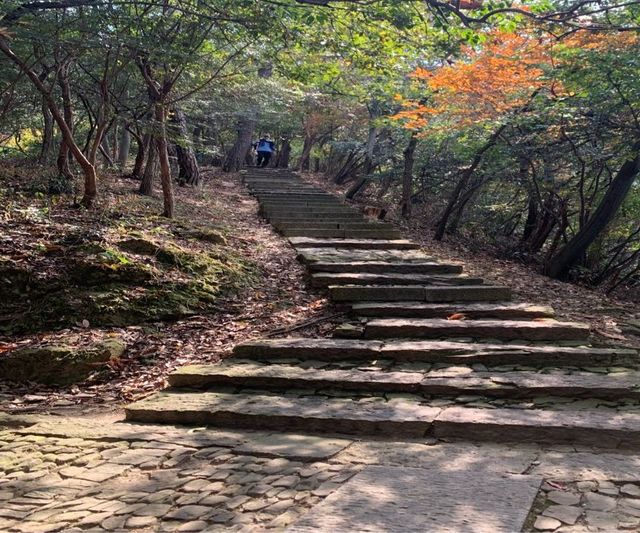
(58, 364)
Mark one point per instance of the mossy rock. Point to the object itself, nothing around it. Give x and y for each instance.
(96, 270)
(59, 364)
(139, 245)
(207, 235)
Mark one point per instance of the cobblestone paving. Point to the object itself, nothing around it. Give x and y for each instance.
(57, 483)
(83, 475)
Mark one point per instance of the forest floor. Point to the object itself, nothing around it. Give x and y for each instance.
(613, 321)
(262, 292)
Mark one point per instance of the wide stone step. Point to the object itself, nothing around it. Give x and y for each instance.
(545, 329)
(320, 224)
(301, 208)
(268, 204)
(342, 233)
(324, 279)
(310, 256)
(447, 352)
(397, 418)
(366, 244)
(284, 413)
(511, 311)
(442, 382)
(345, 216)
(387, 267)
(399, 293)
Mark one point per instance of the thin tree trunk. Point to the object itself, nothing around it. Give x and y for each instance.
(441, 226)
(407, 175)
(63, 155)
(141, 156)
(124, 147)
(189, 173)
(620, 186)
(307, 146)
(150, 169)
(163, 157)
(46, 148)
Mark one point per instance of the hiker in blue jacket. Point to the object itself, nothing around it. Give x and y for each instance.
(265, 148)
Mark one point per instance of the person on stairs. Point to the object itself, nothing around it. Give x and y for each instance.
(265, 148)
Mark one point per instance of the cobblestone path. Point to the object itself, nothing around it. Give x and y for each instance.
(88, 475)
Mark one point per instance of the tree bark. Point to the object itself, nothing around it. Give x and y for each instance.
(189, 173)
(150, 169)
(163, 157)
(307, 146)
(237, 155)
(407, 175)
(284, 154)
(124, 147)
(141, 156)
(620, 186)
(63, 154)
(46, 149)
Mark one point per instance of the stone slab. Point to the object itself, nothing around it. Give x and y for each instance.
(285, 413)
(388, 499)
(530, 330)
(603, 429)
(324, 279)
(294, 447)
(373, 244)
(460, 457)
(587, 466)
(512, 311)
(437, 294)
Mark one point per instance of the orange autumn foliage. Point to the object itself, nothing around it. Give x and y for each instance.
(487, 83)
(497, 78)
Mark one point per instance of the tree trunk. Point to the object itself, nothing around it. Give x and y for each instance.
(189, 173)
(46, 149)
(63, 155)
(124, 146)
(307, 146)
(620, 186)
(407, 175)
(441, 226)
(284, 154)
(237, 155)
(372, 137)
(357, 188)
(150, 169)
(141, 156)
(163, 157)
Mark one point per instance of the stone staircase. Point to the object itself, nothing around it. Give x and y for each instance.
(428, 351)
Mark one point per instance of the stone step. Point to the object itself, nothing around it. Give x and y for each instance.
(343, 216)
(442, 382)
(366, 244)
(342, 233)
(387, 267)
(397, 418)
(301, 208)
(446, 352)
(324, 279)
(310, 256)
(511, 311)
(400, 293)
(269, 204)
(546, 329)
(320, 224)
